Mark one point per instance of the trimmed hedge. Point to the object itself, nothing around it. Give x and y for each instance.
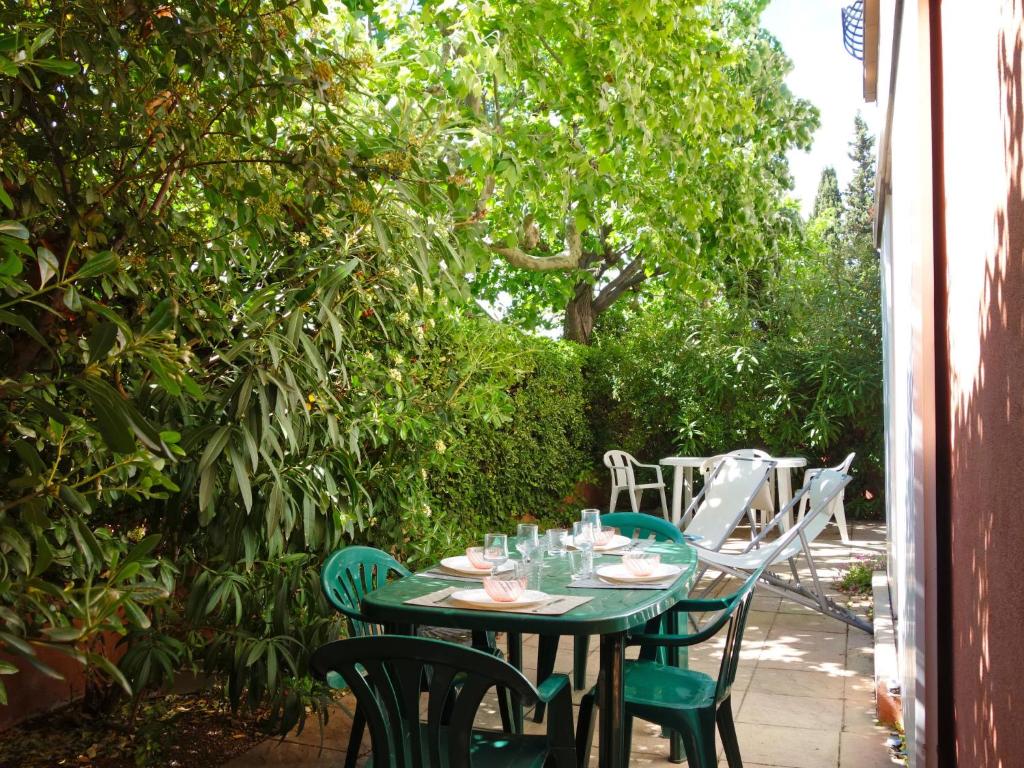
(528, 466)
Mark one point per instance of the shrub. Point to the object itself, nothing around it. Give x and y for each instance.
(529, 465)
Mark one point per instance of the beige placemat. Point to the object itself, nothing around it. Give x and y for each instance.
(557, 605)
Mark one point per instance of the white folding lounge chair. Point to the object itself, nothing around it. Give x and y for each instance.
(838, 512)
(725, 499)
(765, 500)
(822, 489)
(623, 467)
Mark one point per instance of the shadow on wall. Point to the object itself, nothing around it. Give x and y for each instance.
(988, 470)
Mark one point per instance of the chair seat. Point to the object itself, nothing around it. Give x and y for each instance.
(495, 750)
(641, 486)
(652, 685)
(747, 561)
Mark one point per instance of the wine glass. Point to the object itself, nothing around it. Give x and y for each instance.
(527, 540)
(496, 549)
(583, 535)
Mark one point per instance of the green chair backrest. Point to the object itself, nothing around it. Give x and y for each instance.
(350, 573)
(732, 615)
(648, 525)
(741, 600)
(386, 674)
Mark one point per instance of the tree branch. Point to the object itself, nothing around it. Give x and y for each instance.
(566, 260)
(631, 275)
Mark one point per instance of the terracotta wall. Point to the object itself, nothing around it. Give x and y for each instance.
(983, 145)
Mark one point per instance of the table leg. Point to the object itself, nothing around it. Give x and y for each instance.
(611, 693)
(515, 658)
(687, 486)
(785, 495)
(677, 494)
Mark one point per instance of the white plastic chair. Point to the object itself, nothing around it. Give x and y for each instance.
(821, 490)
(765, 500)
(838, 512)
(623, 467)
(727, 496)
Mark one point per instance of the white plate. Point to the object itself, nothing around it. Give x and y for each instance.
(619, 572)
(480, 599)
(617, 542)
(461, 565)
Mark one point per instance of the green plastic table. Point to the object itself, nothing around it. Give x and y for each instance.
(609, 614)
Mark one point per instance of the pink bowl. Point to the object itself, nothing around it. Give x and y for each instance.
(475, 555)
(641, 563)
(604, 536)
(502, 589)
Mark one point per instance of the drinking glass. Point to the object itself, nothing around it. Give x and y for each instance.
(556, 541)
(581, 563)
(496, 549)
(527, 540)
(592, 516)
(583, 535)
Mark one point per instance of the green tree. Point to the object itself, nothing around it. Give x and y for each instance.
(859, 199)
(603, 146)
(828, 207)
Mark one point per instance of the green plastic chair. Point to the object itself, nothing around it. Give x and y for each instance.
(347, 575)
(628, 523)
(683, 701)
(387, 673)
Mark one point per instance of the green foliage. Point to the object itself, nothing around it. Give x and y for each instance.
(224, 319)
(856, 580)
(604, 143)
(798, 373)
(528, 466)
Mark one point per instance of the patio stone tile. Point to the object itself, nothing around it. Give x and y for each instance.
(805, 650)
(288, 753)
(787, 747)
(858, 750)
(859, 688)
(794, 711)
(859, 717)
(765, 601)
(797, 683)
(808, 620)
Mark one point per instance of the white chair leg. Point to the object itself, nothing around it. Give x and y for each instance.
(615, 497)
(840, 518)
(664, 503)
(635, 498)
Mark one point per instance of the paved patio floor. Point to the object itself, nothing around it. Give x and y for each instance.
(803, 697)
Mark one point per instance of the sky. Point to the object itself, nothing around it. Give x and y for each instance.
(826, 75)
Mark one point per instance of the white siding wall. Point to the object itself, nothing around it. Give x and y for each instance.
(907, 261)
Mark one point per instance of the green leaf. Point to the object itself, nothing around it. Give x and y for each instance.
(242, 477)
(14, 229)
(11, 266)
(111, 415)
(99, 264)
(59, 66)
(75, 500)
(4, 197)
(48, 266)
(63, 634)
(101, 340)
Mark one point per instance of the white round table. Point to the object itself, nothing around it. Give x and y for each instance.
(682, 480)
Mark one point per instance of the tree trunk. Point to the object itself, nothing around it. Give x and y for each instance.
(580, 315)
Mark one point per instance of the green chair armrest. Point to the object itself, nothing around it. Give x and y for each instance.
(548, 690)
